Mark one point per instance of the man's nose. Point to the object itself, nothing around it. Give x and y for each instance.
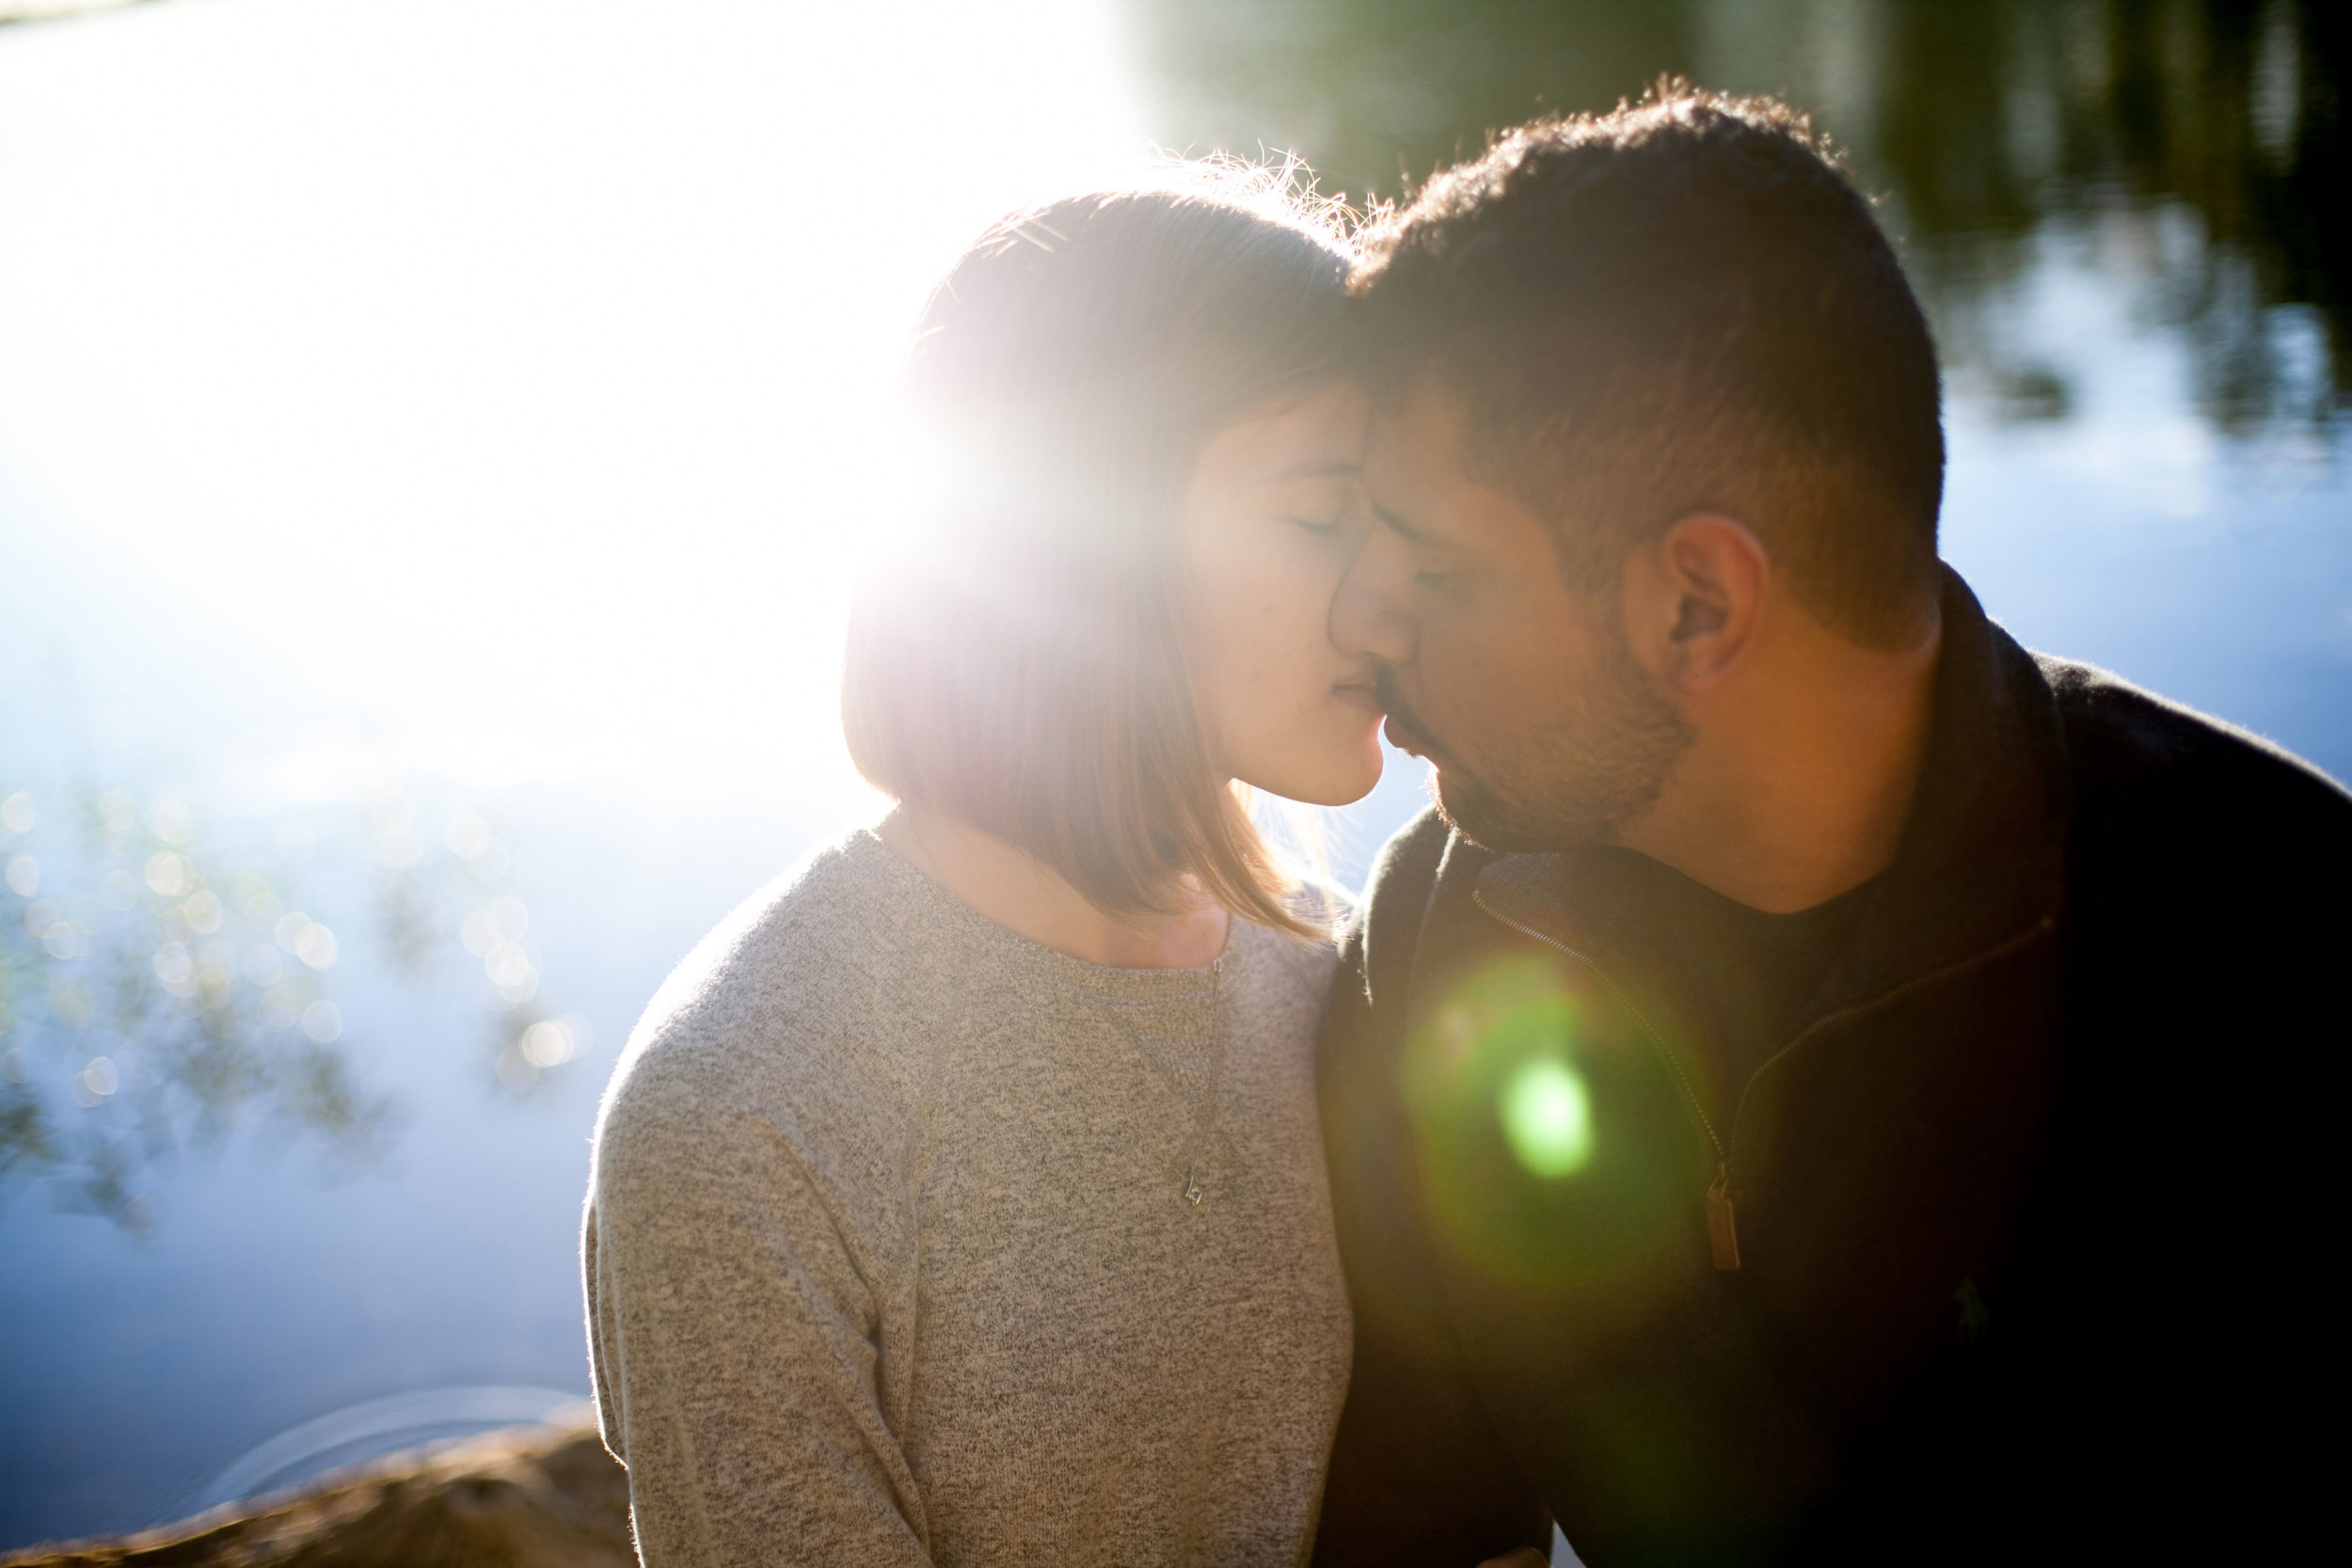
(1371, 615)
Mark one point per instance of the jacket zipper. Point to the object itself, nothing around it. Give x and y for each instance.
(1870, 1003)
(1722, 1232)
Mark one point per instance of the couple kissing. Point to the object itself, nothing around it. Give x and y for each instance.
(1821, 1084)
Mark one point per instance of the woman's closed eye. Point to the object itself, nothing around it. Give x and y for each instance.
(1340, 527)
(1320, 506)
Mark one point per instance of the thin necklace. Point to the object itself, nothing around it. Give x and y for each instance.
(1204, 1114)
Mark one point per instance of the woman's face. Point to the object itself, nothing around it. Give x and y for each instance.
(1272, 513)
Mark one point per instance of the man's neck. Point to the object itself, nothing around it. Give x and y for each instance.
(1800, 783)
(1024, 896)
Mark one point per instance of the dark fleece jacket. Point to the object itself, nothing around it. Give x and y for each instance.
(2032, 1212)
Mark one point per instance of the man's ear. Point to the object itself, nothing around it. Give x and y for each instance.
(1695, 599)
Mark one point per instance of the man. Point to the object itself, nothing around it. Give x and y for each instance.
(1827, 1085)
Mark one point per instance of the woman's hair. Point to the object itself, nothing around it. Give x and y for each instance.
(1016, 662)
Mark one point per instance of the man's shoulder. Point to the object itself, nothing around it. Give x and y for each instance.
(1408, 859)
(1406, 874)
(1408, 879)
(2127, 746)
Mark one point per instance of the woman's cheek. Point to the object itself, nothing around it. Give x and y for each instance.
(1270, 628)
(1289, 624)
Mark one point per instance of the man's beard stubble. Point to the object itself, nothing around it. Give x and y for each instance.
(1567, 786)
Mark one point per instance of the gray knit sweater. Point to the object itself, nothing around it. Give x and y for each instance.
(889, 1259)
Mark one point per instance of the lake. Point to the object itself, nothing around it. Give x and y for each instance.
(436, 440)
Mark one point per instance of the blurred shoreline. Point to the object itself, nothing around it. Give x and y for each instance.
(544, 1497)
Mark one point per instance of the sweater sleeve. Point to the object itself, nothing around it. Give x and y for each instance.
(735, 1320)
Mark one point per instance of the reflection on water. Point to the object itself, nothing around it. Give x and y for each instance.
(157, 993)
(2193, 149)
(150, 998)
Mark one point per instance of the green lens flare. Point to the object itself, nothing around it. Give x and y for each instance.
(1548, 1118)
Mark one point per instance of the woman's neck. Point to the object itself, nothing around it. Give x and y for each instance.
(1021, 893)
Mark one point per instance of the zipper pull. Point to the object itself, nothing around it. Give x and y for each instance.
(1723, 1234)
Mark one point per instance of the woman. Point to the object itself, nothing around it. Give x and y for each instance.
(962, 1199)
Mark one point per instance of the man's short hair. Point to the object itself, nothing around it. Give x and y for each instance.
(1680, 306)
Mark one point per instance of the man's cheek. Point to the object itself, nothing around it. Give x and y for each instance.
(1478, 679)
(1469, 708)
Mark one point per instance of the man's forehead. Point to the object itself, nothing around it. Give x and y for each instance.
(1413, 468)
(1429, 413)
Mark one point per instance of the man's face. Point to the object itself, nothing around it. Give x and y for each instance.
(1544, 731)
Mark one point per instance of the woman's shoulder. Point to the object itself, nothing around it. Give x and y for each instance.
(1302, 966)
(776, 1005)
(1323, 903)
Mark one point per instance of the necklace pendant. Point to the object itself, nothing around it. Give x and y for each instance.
(1194, 1191)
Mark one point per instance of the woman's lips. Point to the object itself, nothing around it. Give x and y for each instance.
(1358, 696)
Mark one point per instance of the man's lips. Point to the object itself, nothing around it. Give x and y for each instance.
(1408, 740)
(1403, 733)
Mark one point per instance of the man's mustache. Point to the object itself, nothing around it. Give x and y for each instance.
(1400, 712)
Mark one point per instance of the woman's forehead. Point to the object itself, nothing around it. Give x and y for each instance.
(1321, 435)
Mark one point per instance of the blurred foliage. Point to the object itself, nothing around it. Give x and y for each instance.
(158, 992)
(446, 920)
(56, 10)
(149, 999)
(2195, 146)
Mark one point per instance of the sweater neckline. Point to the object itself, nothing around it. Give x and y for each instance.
(1064, 972)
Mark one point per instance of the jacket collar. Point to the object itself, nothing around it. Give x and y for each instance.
(1981, 861)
